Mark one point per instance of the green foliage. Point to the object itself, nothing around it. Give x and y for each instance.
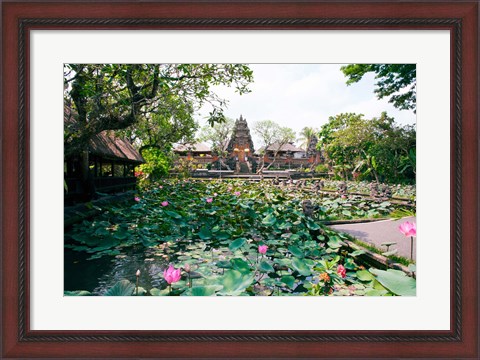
(273, 135)
(156, 166)
(396, 81)
(151, 103)
(220, 239)
(121, 288)
(375, 149)
(321, 168)
(218, 135)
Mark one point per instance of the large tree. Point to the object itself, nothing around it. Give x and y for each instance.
(152, 104)
(147, 96)
(377, 148)
(398, 82)
(218, 135)
(270, 133)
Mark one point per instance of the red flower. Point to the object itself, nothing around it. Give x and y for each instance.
(341, 271)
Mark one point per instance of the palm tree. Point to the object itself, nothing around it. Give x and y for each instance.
(306, 136)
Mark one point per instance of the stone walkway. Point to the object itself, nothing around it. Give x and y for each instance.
(376, 233)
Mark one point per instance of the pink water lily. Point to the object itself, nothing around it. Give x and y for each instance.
(137, 199)
(408, 228)
(171, 275)
(262, 249)
(209, 200)
(341, 271)
(164, 203)
(237, 193)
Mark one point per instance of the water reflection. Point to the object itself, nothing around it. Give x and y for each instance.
(98, 275)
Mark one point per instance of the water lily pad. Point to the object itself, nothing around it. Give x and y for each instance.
(223, 264)
(205, 233)
(288, 280)
(266, 267)
(77, 293)
(240, 265)
(300, 266)
(269, 220)
(364, 275)
(121, 288)
(209, 290)
(234, 282)
(158, 292)
(375, 292)
(296, 251)
(237, 244)
(396, 281)
(312, 225)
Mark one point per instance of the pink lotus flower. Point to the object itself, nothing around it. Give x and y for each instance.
(341, 271)
(137, 199)
(408, 229)
(237, 193)
(164, 203)
(209, 200)
(171, 274)
(160, 187)
(262, 249)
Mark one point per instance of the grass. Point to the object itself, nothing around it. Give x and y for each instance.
(398, 259)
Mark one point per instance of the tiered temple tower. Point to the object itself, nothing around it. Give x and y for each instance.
(241, 145)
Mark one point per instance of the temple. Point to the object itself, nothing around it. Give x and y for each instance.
(240, 148)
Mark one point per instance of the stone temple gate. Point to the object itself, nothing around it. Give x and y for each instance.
(240, 148)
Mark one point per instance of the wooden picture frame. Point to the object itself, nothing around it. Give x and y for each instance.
(460, 18)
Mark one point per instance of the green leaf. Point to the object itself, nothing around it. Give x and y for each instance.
(222, 235)
(334, 242)
(396, 281)
(300, 266)
(223, 264)
(375, 292)
(158, 292)
(237, 244)
(120, 234)
(269, 220)
(121, 288)
(102, 232)
(208, 290)
(235, 283)
(296, 251)
(141, 291)
(312, 225)
(288, 280)
(77, 293)
(240, 265)
(266, 267)
(364, 275)
(173, 214)
(357, 252)
(205, 233)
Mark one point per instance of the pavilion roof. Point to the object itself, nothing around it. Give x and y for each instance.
(105, 143)
(196, 147)
(283, 148)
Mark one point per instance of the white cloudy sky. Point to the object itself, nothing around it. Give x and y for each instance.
(299, 95)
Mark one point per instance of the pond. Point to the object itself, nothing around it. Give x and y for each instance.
(223, 238)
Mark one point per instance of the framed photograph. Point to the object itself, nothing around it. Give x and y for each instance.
(41, 39)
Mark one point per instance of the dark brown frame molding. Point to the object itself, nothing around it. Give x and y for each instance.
(18, 18)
